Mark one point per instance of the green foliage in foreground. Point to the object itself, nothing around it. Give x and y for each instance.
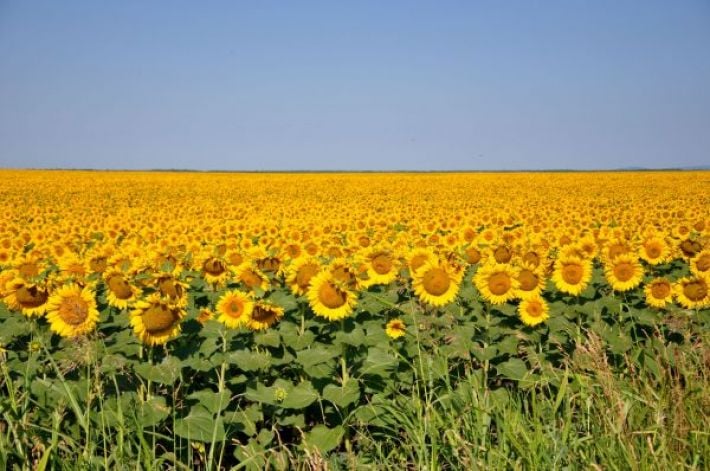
(605, 384)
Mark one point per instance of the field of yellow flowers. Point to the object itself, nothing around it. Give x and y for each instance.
(208, 320)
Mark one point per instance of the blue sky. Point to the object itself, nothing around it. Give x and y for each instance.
(261, 85)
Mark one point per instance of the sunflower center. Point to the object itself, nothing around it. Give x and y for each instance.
(28, 269)
(695, 290)
(572, 274)
(617, 249)
(623, 271)
(119, 287)
(159, 318)
(262, 314)
(168, 287)
(214, 266)
(73, 310)
(344, 275)
(250, 278)
(268, 264)
(417, 261)
(235, 309)
(502, 254)
(473, 255)
(304, 275)
(382, 264)
(436, 281)
(499, 283)
(30, 297)
(98, 264)
(690, 247)
(528, 280)
(531, 258)
(660, 290)
(236, 258)
(534, 309)
(331, 296)
(653, 250)
(703, 263)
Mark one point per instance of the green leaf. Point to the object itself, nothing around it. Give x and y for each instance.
(152, 412)
(324, 438)
(249, 360)
(378, 362)
(514, 369)
(270, 338)
(200, 425)
(301, 396)
(343, 395)
(214, 402)
(166, 372)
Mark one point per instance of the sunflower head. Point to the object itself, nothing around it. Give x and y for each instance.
(692, 292)
(659, 292)
(71, 311)
(533, 310)
(437, 283)
(497, 282)
(156, 321)
(235, 309)
(572, 274)
(395, 328)
(624, 272)
(264, 315)
(330, 297)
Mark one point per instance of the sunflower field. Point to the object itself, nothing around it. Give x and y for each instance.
(156, 320)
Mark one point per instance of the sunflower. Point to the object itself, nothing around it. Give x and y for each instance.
(252, 278)
(395, 328)
(29, 298)
(654, 250)
(345, 274)
(169, 286)
(659, 292)
(700, 264)
(72, 267)
(264, 315)
(692, 293)
(533, 310)
(531, 281)
(155, 321)
(502, 254)
(204, 315)
(624, 273)
(472, 254)
(572, 274)
(120, 293)
(382, 268)
(329, 297)
(419, 257)
(300, 273)
(497, 282)
(71, 310)
(235, 309)
(437, 283)
(215, 270)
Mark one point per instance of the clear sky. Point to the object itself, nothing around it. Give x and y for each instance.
(262, 85)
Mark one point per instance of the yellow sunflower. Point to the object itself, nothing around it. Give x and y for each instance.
(497, 282)
(419, 257)
(395, 328)
(533, 310)
(119, 293)
(572, 274)
(382, 267)
(71, 310)
(531, 280)
(235, 309)
(624, 273)
(28, 298)
(659, 292)
(215, 270)
(252, 278)
(300, 273)
(155, 321)
(437, 283)
(264, 315)
(700, 264)
(654, 250)
(170, 287)
(692, 293)
(330, 298)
